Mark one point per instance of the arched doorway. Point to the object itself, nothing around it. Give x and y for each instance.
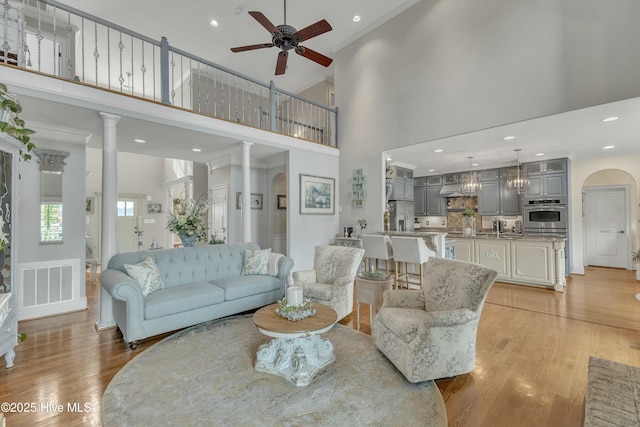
(278, 229)
(606, 210)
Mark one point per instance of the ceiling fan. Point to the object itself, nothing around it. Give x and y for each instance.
(287, 37)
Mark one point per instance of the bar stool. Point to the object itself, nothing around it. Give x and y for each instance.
(377, 247)
(410, 250)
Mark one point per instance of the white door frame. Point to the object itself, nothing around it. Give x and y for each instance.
(627, 231)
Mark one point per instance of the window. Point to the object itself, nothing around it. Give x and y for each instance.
(126, 208)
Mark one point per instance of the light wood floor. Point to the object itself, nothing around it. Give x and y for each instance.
(532, 353)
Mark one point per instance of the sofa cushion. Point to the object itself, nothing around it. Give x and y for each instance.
(256, 262)
(403, 322)
(319, 291)
(243, 286)
(181, 298)
(146, 275)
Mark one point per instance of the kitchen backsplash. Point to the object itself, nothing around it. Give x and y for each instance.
(453, 220)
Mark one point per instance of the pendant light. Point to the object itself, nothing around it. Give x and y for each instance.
(469, 185)
(520, 181)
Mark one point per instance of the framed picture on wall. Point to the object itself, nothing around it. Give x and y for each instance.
(317, 195)
(154, 207)
(282, 201)
(256, 200)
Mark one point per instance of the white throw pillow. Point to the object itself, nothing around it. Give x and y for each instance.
(256, 262)
(147, 275)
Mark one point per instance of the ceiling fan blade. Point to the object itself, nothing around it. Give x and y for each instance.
(312, 30)
(264, 21)
(325, 61)
(281, 65)
(251, 47)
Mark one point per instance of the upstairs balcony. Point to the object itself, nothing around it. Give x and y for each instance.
(51, 38)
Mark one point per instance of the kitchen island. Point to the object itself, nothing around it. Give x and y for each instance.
(522, 259)
(533, 260)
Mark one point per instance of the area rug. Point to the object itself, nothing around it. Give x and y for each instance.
(613, 394)
(204, 376)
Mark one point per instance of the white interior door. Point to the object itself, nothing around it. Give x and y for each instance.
(606, 232)
(218, 211)
(127, 214)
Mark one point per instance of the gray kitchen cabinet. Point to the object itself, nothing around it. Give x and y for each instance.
(553, 185)
(402, 184)
(546, 167)
(436, 204)
(495, 197)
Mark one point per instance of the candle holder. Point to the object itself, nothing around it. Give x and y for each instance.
(295, 312)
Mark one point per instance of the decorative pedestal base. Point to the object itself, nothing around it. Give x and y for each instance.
(296, 359)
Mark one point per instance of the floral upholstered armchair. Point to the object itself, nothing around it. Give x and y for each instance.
(431, 333)
(331, 280)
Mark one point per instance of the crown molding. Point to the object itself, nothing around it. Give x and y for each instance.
(59, 133)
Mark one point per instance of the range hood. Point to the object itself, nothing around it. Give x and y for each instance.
(451, 190)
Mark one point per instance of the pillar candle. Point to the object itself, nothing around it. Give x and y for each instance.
(139, 223)
(294, 295)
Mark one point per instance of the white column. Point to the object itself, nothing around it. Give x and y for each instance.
(109, 237)
(246, 191)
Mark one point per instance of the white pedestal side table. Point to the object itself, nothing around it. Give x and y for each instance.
(370, 291)
(297, 352)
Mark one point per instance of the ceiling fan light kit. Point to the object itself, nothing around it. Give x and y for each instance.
(285, 37)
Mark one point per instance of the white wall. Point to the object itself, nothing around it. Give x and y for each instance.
(446, 67)
(73, 236)
(307, 231)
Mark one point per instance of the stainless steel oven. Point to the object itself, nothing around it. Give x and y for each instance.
(551, 218)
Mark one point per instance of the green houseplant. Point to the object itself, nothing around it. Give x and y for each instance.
(12, 124)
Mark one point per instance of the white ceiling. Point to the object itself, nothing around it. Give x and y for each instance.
(577, 134)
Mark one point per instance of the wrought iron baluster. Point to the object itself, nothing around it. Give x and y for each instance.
(181, 82)
(120, 47)
(206, 95)
(236, 105)
(83, 36)
(153, 70)
(143, 70)
(39, 37)
(96, 54)
(190, 84)
(108, 57)
(173, 79)
(133, 79)
(69, 30)
(56, 69)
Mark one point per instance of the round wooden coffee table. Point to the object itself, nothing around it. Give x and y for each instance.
(297, 352)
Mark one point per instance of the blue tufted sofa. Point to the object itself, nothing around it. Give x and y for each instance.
(200, 283)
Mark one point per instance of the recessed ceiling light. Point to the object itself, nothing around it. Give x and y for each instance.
(438, 150)
(475, 164)
(610, 119)
(431, 170)
(356, 18)
(214, 23)
(608, 147)
(197, 150)
(539, 154)
(138, 140)
(509, 138)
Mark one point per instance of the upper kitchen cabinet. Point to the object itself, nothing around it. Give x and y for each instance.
(427, 198)
(545, 166)
(495, 197)
(402, 183)
(547, 178)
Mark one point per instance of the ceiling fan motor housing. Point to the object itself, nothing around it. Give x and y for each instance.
(287, 41)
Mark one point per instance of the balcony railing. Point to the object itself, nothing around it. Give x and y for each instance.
(56, 39)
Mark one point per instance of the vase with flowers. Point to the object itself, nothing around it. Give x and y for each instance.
(189, 220)
(469, 222)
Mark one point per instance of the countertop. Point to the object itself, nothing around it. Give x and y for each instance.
(484, 234)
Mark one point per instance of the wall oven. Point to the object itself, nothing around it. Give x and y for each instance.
(544, 216)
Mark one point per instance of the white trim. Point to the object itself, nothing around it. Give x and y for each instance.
(77, 301)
